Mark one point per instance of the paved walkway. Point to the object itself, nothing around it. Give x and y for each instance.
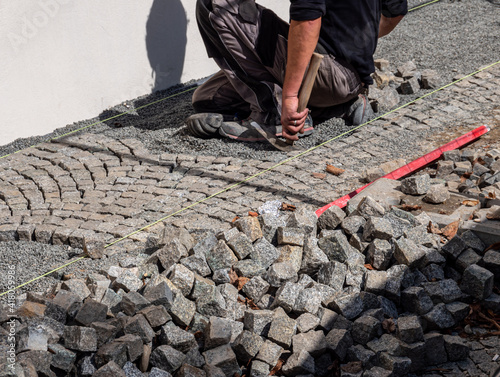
(89, 184)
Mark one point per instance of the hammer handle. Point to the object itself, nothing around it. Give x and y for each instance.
(308, 83)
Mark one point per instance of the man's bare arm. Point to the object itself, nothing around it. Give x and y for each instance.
(302, 40)
(387, 25)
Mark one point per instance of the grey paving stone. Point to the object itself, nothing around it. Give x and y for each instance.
(247, 345)
(307, 322)
(62, 358)
(134, 344)
(258, 321)
(416, 185)
(177, 338)
(350, 306)
(221, 257)
(114, 351)
(217, 332)
(190, 371)
(477, 282)
(299, 363)
(399, 365)
(282, 329)
(197, 264)
(110, 369)
(339, 341)
(368, 207)
(416, 300)
(386, 343)
(201, 287)
(290, 236)
(353, 224)
(139, 325)
(182, 310)
(375, 281)
(313, 257)
(332, 274)
(128, 281)
(249, 268)
(456, 348)
(335, 245)
(291, 254)
(366, 328)
(379, 254)
(458, 310)
(280, 273)
(211, 304)
(132, 302)
(264, 253)
(159, 294)
(269, 353)
(286, 296)
(454, 247)
(255, 288)
(439, 318)
(331, 218)
(443, 291)
(224, 358)
(79, 338)
(167, 358)
(76, 286)
(308, 301)
(250, 226)
(377, 228)
(91, 311)
(473, 241)
(240, 244)
(327, 318)
(407, 252)
(409, 329)
(437, 194)
(359, 353)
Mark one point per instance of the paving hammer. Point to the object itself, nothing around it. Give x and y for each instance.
(307, 84)
(304, 94)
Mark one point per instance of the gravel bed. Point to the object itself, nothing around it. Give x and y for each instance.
(456, 43)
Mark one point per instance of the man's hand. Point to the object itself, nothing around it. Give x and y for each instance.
(302, 40)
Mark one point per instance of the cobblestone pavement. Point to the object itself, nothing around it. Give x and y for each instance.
(90, 184)
(58, 193)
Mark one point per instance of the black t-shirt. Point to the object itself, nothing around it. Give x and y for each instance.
(349, 28)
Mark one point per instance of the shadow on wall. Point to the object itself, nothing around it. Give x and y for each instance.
(166, 48)
(166, 42)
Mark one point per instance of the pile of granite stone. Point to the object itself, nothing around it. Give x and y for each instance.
(368, 290)
(406, 79)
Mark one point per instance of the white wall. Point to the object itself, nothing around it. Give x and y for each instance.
(65, 60)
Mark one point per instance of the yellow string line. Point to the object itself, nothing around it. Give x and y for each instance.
(423, 5)
(257, 174)
(101, 121)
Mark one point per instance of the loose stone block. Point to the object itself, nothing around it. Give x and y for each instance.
(368, 207)
(280, 273)
(307, 322)
(379, 254)
(454, 247)
(303, 218)
(62, 358)
(282, 329)
(269, 353)
(182, 278)
(264, 253)
(114, 351)
(308, 301)
(221, 257)
(177, 338)
(439, 318)
(156, 372)
(360, 353)
(416, 300)
(292, 255)
(314, 342)
(190, 371)
(76, 286)
(473, 241)
(375, 281)
(377, 227)
(110, 369)
(399, 366)
(79, 338)
(331, 218)
(437, 194)
(286, 296)
(197, 264)
(105, 332)
(408, 253)
(259, 369)
(477, 282)
(456, 349)
(339, 340)
(224, 358)
(167, 358)
(313, 257)
(290, 236)
(299, 363)
(353, 224)
(350, 306)
(333, 274)
(250, 226)
(335, 245)
(128, 281)
(258, 321)
(201, 287)
(416, 185)
(182, 310)
(255, 288)
(366, 328)
(217, 332)
(135, 347)
(139, 325)
(386, 343)
(327, 318)
(247, 345)
(409, 329)
(212, 304)
(458, 310)
(240, 244)
(443, 291)
(156, 315)
(160, 294)
(91, 311)
(249, 268)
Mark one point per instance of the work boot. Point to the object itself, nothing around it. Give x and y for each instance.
(204, 125)
(359, 112)
(245, 130)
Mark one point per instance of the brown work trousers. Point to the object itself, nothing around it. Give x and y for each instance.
(249, 44)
